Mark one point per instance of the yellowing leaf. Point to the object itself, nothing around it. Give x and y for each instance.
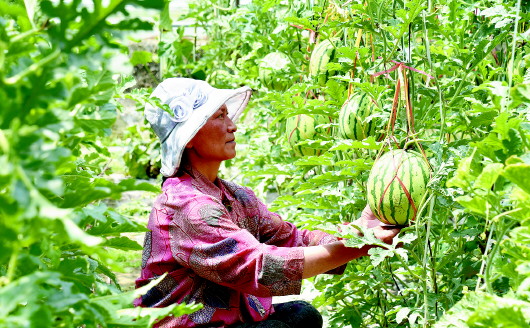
(488, 176)
(519, 174)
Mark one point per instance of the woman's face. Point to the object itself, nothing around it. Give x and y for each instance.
(215, 141)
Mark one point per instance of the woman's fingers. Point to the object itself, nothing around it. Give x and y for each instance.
(369, 218)
(386, 233)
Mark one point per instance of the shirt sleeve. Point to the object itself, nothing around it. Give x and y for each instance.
(204, 238)
(275, 231)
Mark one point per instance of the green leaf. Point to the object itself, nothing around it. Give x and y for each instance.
(122, 243)
(350, 53)
(93, 189)
(78, 235)
(367, 237)
(135, 184)
(483, 119)
(37, 292)
(378, 255)
(97, 120)
(16, 9)
(401, 252)
(485, 310)
(519, 174)
(141, 57)
(146, 317)
(488, 176)
(270, 170)
(476, 203)
(500, 312)
(504, 122)
(402, 314)
(468, 169)
(457, 316)
(521, 236)
(348, 144)
(329, 177)
(139, 317)
(404, 238)
(165, 18)
(102, 269)
(109, 223)
(132, 24)
(99, 81)
(78, 269)
(324, 159)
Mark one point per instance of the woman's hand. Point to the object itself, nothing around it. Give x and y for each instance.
(322, 258)
(383, 232)
(367, 219)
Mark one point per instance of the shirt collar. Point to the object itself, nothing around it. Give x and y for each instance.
(202, 183)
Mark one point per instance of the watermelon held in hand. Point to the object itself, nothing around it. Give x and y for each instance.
(323, 53)
(271, 68)
(396, 186)
(354, 118)
(305, 127)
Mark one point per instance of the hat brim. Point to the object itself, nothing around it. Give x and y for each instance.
(236, 101)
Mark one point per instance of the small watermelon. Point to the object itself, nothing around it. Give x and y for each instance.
(396, 185)
(323, 53)
(354, 121)
(271, 68)
(304, 127)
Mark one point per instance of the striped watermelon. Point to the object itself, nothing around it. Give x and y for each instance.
(270, 69)
(323, 53)
(353, 116)
(396, 185)
(303, 127)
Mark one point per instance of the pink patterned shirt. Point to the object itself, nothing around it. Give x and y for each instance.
(221, 247)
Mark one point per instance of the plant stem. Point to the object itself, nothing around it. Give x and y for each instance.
(431, 70)
(485, 268)
(12, 265)
(93, 22)
(396, 277)
(424, 264)
(512, 61)
(33, 68)
(412, 274)
(487, 273)
(503, 230)
(485, 258)
(21, 36)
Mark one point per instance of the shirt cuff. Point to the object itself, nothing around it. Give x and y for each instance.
(282, 274)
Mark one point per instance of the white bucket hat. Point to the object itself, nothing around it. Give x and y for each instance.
(191, 103)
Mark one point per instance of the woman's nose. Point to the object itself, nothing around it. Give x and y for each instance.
(232, 127)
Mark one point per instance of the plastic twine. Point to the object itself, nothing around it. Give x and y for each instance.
(402, 65)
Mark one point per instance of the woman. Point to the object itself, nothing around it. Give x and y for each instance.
(218, 243)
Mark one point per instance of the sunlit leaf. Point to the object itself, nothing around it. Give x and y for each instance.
(488, 176)
(519, 174)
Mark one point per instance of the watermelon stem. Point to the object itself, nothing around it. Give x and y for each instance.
(512, 61)
(410, 142)
(427, 253)
(494, 251)
(485, 269)
(406, 267)
(396, 278)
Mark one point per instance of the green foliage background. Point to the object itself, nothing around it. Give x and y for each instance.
(59, 238)
(465, 262)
